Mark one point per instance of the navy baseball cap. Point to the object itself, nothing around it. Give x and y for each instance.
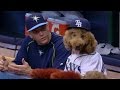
(34, 20)
(79, 23)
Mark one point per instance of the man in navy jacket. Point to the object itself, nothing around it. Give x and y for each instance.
(41, 49)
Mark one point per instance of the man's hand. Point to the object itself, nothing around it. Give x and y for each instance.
(20, 69)
(3, 64)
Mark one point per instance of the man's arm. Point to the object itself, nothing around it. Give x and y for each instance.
(61, 56)
(24, 69)
(22, 53)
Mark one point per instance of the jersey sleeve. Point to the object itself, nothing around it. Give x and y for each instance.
(94, 63)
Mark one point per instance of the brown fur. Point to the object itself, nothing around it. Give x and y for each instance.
(94, 75)
(65, 75)
(52, 73)
(43, 73)
(80, 39)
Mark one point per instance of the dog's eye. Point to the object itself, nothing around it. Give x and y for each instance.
(82, 36)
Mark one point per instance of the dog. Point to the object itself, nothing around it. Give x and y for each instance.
(82, 43)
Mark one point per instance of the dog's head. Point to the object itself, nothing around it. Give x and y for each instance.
(80, 39)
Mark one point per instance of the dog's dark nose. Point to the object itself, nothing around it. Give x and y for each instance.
(77, 48)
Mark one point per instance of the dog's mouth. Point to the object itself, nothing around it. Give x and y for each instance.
(77, 48)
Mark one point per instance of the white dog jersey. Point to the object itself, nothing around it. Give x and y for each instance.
(85, 62)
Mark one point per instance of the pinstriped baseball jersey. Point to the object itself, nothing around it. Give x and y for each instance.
(85, 62)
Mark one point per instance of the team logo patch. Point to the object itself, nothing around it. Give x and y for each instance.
(40, 52)
(78, 23)
(35, 18)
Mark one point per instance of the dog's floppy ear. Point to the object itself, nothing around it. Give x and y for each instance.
(66, 40)
(91, 42)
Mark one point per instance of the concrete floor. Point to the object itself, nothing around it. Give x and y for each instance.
(113, 75)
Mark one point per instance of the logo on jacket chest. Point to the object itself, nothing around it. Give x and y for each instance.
(40, 52)
(72, 66)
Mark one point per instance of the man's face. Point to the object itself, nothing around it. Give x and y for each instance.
(41, 35)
